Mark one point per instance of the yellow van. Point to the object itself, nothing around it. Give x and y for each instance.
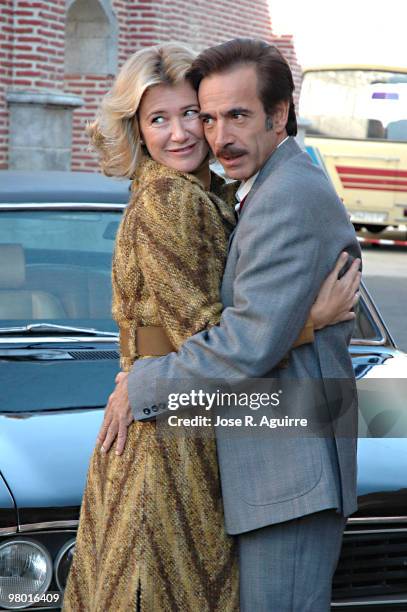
(357, 131)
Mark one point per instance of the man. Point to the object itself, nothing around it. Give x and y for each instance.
(286, 498)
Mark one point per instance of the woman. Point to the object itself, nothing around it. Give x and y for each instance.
(151, 535)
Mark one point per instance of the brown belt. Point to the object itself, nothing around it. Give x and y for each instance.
(153, 341)
(150, 340)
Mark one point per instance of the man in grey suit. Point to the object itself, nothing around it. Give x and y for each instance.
(285, 497)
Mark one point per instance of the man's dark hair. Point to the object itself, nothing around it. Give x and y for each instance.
(274, 77)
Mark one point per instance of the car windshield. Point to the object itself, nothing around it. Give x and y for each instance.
(56, 268)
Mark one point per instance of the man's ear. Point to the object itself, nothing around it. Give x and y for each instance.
(280, 116)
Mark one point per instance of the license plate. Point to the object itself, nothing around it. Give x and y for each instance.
(369, 217)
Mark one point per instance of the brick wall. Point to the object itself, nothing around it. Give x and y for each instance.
(31, 52)
(32, 44)
(6, 46)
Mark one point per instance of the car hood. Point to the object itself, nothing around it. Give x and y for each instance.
(382, 444)
(382, 476)
(44, 457)
(48, 432)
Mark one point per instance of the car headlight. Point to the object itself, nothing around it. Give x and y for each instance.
(63, 563)
(25, 571)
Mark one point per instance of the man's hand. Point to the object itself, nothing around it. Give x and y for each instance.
(337, 297)
(118, 417)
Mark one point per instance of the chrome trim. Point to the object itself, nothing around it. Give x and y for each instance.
(9, 530)
(63, 206)
(58, 558)
(357, 342)
(27, 339)
(48, 525)
(377, 519)
(368, 602)
(362, 531)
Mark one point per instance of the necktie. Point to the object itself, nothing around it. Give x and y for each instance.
(240, 206)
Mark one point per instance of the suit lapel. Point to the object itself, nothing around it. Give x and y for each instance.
(288, 149)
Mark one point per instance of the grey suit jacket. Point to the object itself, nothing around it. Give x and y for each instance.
(290, 233)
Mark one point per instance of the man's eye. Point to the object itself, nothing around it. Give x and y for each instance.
(191, 112)
(207, 120)
(158, 120)
(237, 115)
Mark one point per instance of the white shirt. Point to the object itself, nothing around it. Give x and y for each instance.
(245, 186)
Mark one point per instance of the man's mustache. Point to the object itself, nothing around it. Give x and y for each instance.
(229, 152)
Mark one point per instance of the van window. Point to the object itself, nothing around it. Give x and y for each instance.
(355, 104)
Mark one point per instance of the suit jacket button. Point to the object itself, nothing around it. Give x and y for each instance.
(146, 410)
(161, 406)
(154, 408)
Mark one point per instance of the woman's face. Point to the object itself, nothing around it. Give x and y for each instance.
(171, 128)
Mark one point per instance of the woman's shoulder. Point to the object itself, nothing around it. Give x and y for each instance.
(154, 182)
(162, 192)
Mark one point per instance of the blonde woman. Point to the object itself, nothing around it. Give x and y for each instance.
(151, 536)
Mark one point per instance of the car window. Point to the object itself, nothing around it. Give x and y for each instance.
(365, 326)
(56, 266)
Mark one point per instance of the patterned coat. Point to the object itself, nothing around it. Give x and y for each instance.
(151, 533)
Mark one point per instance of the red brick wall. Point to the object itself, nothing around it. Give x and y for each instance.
(286, 45)
(91, 89)
(32, 48)
(6, 40)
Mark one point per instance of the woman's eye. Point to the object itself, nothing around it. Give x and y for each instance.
(158, 120)
(191, 112)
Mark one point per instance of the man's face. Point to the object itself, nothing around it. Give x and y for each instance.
(235, 122)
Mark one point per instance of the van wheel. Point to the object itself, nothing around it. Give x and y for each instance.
(375, 229)
(357, 227)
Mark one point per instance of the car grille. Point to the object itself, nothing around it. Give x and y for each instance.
(373, 561)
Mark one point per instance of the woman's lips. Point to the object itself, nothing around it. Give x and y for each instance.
(183, 150)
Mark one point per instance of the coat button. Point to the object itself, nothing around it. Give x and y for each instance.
(162, 406)
(146, 410)
(154, 408)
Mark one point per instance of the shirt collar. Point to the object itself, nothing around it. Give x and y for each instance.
(245, 186)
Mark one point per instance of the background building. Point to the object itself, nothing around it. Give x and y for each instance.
(58, 58)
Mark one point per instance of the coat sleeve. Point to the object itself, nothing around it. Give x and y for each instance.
(180, 247)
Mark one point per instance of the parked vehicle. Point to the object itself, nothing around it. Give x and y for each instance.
(358, 133)
(58, 359)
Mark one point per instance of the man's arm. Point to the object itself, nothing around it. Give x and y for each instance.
(280, 268)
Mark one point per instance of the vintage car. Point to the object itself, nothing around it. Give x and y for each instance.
(58, 359)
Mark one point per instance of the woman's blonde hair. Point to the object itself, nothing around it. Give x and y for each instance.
(115, 133)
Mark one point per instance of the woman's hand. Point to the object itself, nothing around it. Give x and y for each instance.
(337, 297)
